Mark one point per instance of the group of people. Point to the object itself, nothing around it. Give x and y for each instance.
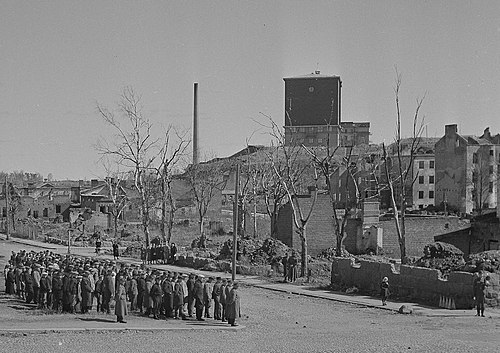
(69, 284)
(289, 267)
(158, 253)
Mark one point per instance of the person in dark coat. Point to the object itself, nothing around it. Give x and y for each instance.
(121, 301)
(57, 291)
(207, 296)
(292, 267)
(198, 296)
(179, 299)
(98, 293)
(141, 288)
(156, 294)
(233, 306)
(86, 289)
(384, 290)
(168, 296)
(116, 253)
(190, 286)
(223, 300)
(216, 293)
(10, 282)
(28, 285)
(479, 288)
(284, 262)
(108, 291)
(173, 251)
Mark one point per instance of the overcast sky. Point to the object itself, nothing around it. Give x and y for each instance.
(59, 58)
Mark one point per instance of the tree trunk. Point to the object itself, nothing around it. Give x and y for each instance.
(203, 239)
(304, 263)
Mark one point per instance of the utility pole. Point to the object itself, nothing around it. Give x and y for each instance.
(7, 230)
(235, 220)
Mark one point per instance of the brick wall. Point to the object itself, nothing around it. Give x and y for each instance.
(419, 232)
(415, 283)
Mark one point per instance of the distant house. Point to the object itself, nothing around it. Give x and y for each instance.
(467, 170)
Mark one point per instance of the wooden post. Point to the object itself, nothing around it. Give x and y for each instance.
(69, 241)
(7, 229)
(235, 220)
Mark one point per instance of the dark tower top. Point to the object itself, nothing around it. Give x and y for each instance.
(312, 100)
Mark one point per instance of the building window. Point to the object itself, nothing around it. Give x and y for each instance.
(491, 170)
(474, 158)
(420, 179)
(431, 194)
(311, 140)
(431, 164)
(490, 187)
(35, 214)
(102, 209)
(58, 208)
(4, 211)
(492, 153)
(431, 179)
(421, 165)
(420, 194)
(320, 140)
(45, 212)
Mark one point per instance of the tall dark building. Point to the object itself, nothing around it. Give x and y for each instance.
(313, 113)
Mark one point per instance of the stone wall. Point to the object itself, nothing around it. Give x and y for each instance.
(413, 283)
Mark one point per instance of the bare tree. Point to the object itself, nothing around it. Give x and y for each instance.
(173, 149)
(117, 195)
(296, 181)
(133, 146)
(205, 181)
(397, 183)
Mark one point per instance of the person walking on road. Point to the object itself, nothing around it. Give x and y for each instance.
(479, 288)
(384, 290)
(121, 301)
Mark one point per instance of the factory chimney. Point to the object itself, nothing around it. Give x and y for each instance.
(196, 158)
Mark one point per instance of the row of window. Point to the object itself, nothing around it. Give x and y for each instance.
(421, 179)
(421, 194)
(421, 164)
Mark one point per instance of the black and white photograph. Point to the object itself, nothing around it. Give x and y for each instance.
(249, 176)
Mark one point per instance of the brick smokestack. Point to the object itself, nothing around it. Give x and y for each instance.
(196, 158)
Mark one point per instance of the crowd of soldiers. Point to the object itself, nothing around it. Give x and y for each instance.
(69, 284)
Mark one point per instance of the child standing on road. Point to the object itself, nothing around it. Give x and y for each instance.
(384, 290)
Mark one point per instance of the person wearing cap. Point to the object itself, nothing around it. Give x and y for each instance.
(179, 299)
(121, 301)
(141, 289)
(132, 291)
(223, 299)
(28, 284)
(86, 290)
(45, 288)
(108, 291)
(384, 290)
(57, 291)
(216, 293)
(190, 292)
(198, 296)
(227, 292)
(168, 298)
(156, 294)
(207, 296)
(233, 305)
(184, 279)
